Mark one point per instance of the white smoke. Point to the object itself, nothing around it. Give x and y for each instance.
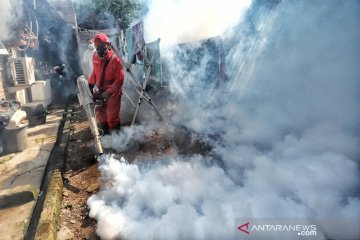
(5, 13)
(10, 11)
(178, 200)
(287, 123)
(121, 141)
(181, 21)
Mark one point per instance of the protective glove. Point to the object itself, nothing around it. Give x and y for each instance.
(96, 90)
(105, 95)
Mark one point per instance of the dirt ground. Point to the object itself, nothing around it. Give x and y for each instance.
(81, 180)
(82, 177)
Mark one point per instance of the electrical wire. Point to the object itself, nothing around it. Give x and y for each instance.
(31, 23)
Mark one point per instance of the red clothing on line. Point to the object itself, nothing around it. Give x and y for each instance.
(114, 78)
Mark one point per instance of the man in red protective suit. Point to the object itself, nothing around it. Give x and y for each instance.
(106, 81)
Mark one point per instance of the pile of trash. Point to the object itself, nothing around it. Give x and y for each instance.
(10, 114)
(13, 127)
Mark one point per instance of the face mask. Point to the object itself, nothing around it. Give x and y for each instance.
(101, 51)
(91, 46)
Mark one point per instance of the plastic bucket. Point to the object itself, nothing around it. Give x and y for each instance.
(15, 138)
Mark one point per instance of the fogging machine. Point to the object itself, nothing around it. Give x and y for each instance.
(87, 101)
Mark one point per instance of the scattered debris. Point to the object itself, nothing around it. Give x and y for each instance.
(93, 187)
(80, 174)
(65, 233)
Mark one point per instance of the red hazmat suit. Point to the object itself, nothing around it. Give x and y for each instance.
(109, 113)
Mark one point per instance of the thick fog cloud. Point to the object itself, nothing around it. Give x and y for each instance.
(9, 13)
(121, 141)
(5, 8)
(287, 131)
(186, 20)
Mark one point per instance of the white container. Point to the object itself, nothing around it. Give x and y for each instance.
(41, 92)
(16, 118)
(15, 139)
